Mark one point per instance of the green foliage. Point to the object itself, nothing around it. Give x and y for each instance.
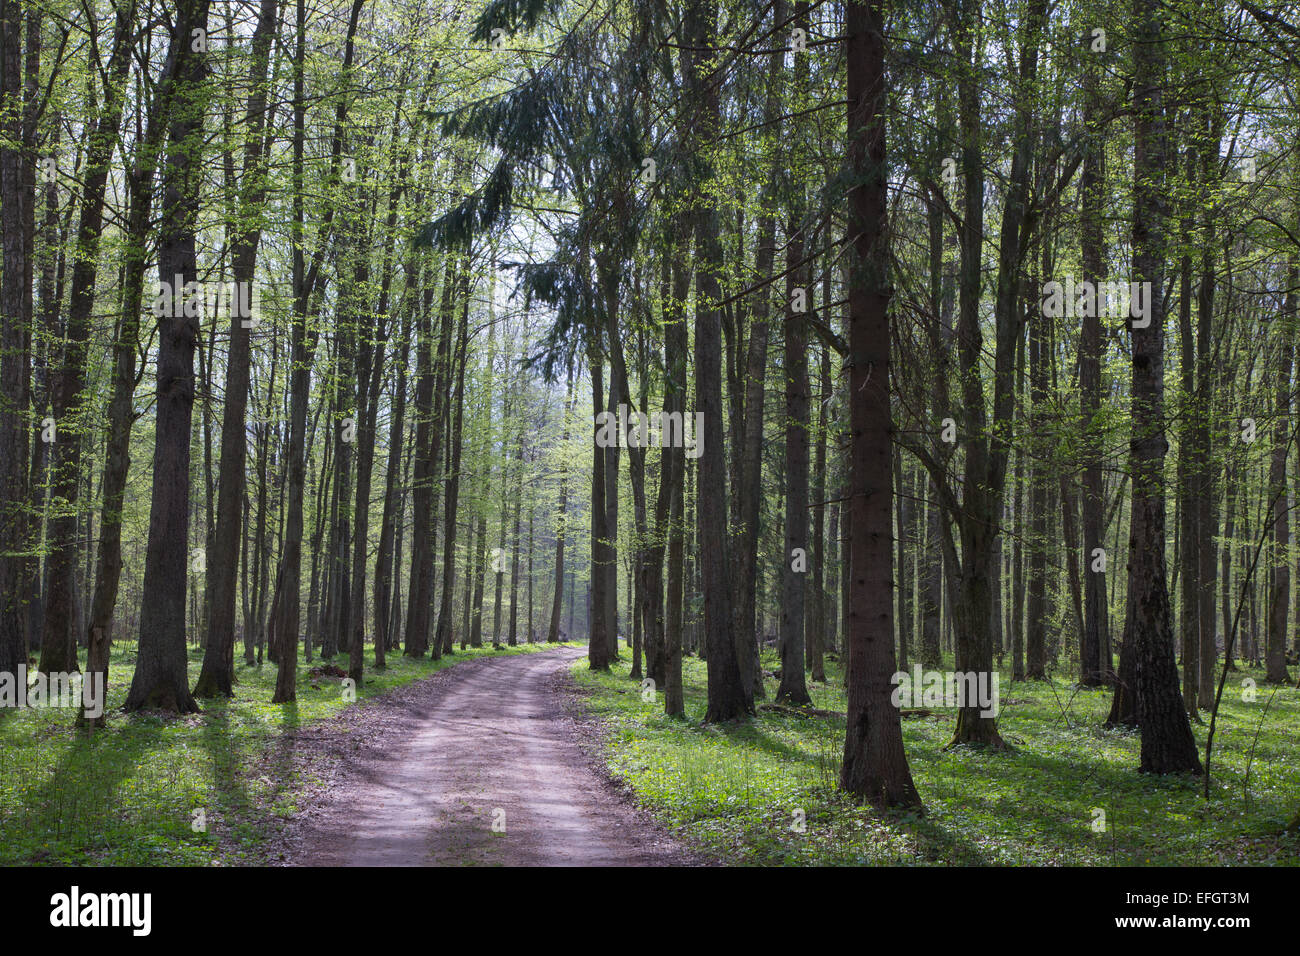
(512, 15)
(734, 789)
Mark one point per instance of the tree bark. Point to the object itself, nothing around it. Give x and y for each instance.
(58, 642)
(727, 696)
(443, 633)
(14, 437)
(161, 680)
(1167, 742)
(875, 764)
(793, 688)
(216, 677)
(1092, 668)
(1279, 603)
(561, 528)
(598, 655)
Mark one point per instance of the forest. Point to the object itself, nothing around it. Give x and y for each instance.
(852, 432)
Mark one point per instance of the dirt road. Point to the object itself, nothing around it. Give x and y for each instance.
(477, 765)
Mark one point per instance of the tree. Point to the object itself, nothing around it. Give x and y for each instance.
(160, 680)
(875, 764)
(13, 352)
(58, 643)
(217, 676)
(1167, 742)
(727, 694)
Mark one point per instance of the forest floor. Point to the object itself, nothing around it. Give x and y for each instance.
(475, 766)
(764, 791)
(435, 753)
(215, 788)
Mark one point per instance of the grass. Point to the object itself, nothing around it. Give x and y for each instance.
(741, 790)
(154, 790)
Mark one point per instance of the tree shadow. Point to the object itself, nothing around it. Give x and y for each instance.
(79, 801)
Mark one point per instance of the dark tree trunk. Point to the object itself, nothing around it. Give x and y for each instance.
(1036, 613)
(749, 486)
(816, 649)
(1167, 742)
(1279, 603)
(443, 634)
(14, 438)
(875, 765)
(476, 622)
(942, 292)
(793, 688)
(161, 680)
(598, 655)
(372, 340)
(561, 527)
(512, 637)
(986, 457)
(1096, 623)
(1187, 543)
(1207, 388)
(255, 624)
(727, 697)
(387, 559)
(468, 597)
(58, 642)
(676, 348)
(121, 410)
(905, 549)
(427, 447)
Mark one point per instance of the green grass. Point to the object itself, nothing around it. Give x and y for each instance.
(128, 794)
(734, 790)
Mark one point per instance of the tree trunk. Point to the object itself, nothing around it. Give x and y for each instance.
(875, 765)
(58, 642)
(816, 649)
(793, 688)
(216, 677)
(387, 559)
(1096, 623)
(443, 634)
(727, 697)
(14, 437)
(749, 487)
(161, 680)
(561, 528)
(1167, 742)
(1036, 613)
(598, 655)
(428, 429)
(283, 633)
(1279, 604)
(676, 349)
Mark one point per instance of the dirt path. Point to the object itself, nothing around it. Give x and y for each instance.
(478, 765)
